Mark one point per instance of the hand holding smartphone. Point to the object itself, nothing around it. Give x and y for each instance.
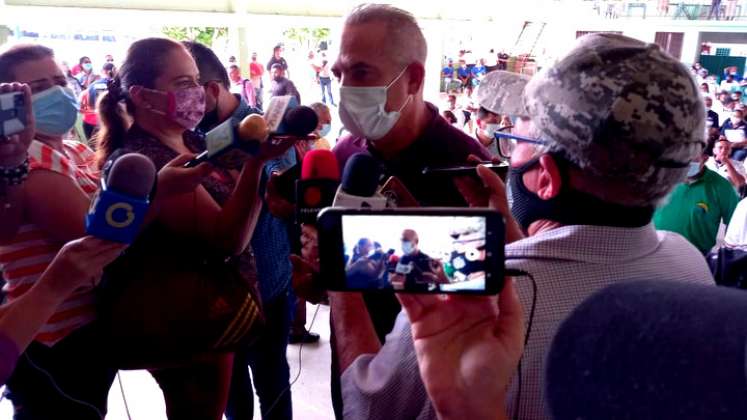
(16, 123)
(434, 250)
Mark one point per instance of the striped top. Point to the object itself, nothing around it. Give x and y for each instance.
(24, 259)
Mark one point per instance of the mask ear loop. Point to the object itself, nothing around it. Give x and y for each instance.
(409, 96)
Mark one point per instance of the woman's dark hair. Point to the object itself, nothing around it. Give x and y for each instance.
(449, 116)
(143, 64)
(82, 59)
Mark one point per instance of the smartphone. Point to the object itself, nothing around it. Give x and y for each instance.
(455, 171)
(286, 182)
(416, 250)
(12, 113)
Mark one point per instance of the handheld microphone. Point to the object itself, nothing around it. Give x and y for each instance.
(651, 350)
(286, 118)
(119, 207)
(360, 182)
(320, 176)
(230, 144)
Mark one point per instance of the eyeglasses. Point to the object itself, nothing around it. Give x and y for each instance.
(507, 142)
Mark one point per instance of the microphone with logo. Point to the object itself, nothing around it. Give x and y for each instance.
(119, 207)
(360, 184)
(320, 176)
(653, 350)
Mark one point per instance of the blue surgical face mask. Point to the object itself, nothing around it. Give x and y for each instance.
(326, 128)
(87, 66)
(693, 169)
(55, 110)
(362, 110)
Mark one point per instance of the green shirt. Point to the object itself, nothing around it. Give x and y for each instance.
(695, 210)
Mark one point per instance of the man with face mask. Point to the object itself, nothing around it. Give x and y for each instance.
(415, 269)
(271, 248)
(697, 207)
(584, 203)
(381, 69)
(488, 124)
(324, 127)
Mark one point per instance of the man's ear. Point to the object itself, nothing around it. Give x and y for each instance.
(549, 180)
(417, 78)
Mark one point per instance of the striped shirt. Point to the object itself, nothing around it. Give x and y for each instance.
(27, 255)
(569, 264)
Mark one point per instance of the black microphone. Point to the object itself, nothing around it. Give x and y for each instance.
(360, 183)
(651, 350)
(119, 208)
(298, 123)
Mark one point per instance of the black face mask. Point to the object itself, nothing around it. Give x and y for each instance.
(569, 207)
(209, 121)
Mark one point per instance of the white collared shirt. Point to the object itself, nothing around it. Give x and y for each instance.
(721, 169)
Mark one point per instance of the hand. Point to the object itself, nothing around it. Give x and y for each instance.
(14, 147)
(310, 244)
(467, 349)
(272, 148)
(175, 179)
(276, 203)
(305, 280)
(79, 264)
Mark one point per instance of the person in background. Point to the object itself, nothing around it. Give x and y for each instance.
(86, 75)
(447, 74)
(324, 127)
(450, 117)
(77, 265)
(478, 72)
(255, 75)
(696, 208)
(108, 59)
(241, 86)
(325, 82)
(737, 97)
(722, 164)
(712, 120)
(459, 113)
(277, 58)
(311, 59)
(90, 96)
(463, 74)
(729, 84)
(488, 123)
(503, 60)
(281, 85)
(736, 122)
(72, 82)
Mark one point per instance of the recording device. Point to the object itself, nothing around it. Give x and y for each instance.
(456, 171)
(285, 182)
(360, 183)
(233, 143)
(651, 350)
(119, 207)
(285, 117)
(12, 113)
(436, 250)
(320, 176)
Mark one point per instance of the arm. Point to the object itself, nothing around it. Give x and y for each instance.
(59, 204)
(78, 264)
(349, 314)
(228, 227)
(736, 178)
(467, 349)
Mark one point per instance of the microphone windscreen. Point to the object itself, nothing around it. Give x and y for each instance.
(300, 121)
(132, 174)
(361, 175)
(651, 350)
(320, 164)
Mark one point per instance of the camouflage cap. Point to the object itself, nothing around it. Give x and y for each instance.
(621, 110)
(502, 93)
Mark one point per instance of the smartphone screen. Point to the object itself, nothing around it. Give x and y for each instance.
(423, 251)
(12, 113)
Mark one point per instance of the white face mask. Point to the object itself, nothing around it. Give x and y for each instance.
(362, 110)
(491, 129)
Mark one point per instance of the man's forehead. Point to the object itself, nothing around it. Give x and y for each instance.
(363, 43)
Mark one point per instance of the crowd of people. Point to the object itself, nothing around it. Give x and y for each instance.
(620, 168)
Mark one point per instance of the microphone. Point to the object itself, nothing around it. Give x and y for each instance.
(119, 207)
(320, 176)
(230, 144)
(651, 350)
(360, 181)
(286, 118)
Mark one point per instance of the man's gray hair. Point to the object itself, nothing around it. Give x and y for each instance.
(407, 43)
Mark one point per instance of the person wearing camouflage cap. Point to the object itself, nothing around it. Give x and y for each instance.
(614, 125)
